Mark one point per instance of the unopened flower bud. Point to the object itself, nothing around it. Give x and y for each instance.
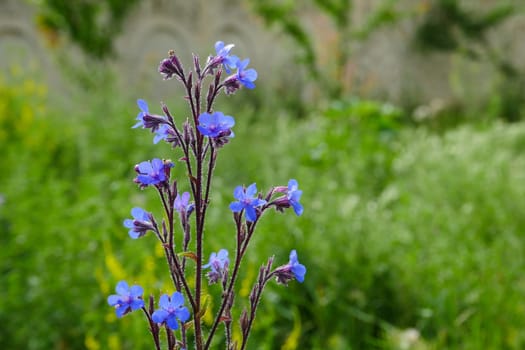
(170, 66)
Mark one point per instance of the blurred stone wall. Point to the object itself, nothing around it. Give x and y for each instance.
(384, 66)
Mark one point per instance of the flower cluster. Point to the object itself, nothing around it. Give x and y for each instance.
(198, 140)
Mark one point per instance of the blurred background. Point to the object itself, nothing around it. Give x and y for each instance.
(401, 120)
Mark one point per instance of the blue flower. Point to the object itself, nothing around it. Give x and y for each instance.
(246, 76)
(163, 132)
(158, 124)
(140, 224)
(299, 270)
(171, 310)
(294, 195)
(182, 203)
(127, 299)
(144, 110)
(292, 270)
(216, 124)
(223, 56)
(247, 201)
(152, 173)
(218, 264)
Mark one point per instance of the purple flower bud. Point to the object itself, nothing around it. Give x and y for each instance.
(222, 139)
(153, 122)
(231, 84)
(170, 66)
(243, 320)
(187, 133)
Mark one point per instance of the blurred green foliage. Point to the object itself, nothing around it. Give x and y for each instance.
(450, 26)
(410, 236)
(447, 25)
(92, 25)
(288, 16)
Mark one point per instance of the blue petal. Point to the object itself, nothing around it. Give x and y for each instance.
(143, 105)
(293, 257)
(140, 120)
(134, 234)
(159, 316)
(138, 213)
(295, 195)
(242, 64)
(297, 207)
(122, 288)
(177, 299)
(238, 193)
(236, 207)
(228, 48)
(299, 270)
(172, 323)
(227, 122)
(218, 46)
(251, 214)
(216, 117)
(157, 138)
(145, 167)
(248, 84)
(257, 202)
(251, 191)
(146, 180)
(183, 314)
(164, 301)
(113, 300)
(223, 254)
(292, 185)
(205, 118)
(185, 198)
(136, 291)
(157, 164)
(250, 74)
(137, 304)
(121, 310)
(204, 130)
(230, 62)
(128, 223)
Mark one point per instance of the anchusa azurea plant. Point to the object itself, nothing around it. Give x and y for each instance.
(198, 139)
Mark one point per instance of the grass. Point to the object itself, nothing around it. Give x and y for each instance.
(409, 236)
